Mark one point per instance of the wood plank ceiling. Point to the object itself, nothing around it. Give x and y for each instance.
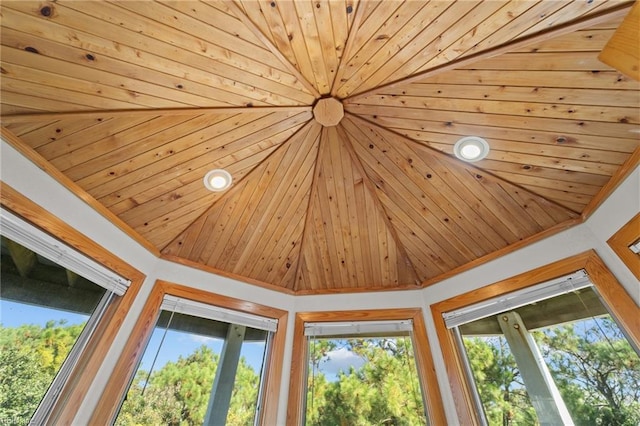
(132, 102)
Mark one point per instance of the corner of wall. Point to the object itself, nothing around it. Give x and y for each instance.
(618, 209)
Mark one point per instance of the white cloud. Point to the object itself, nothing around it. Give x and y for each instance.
(340, 360)
(201, 339)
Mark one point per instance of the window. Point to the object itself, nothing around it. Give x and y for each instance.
(359, 371)
(547, 353)
(196, 357)
(52, 299)
(626, 243)
(202, 365)
(362, 373)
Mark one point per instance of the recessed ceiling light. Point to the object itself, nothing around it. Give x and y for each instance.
(471, 148)
(217, 180)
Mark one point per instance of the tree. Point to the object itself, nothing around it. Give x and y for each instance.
(498, 381)
(151, 408)
(244, 398)
(385, 390)
(597, 371)
(22, 383)
(178, 393)
(30, 357)
(316, 382)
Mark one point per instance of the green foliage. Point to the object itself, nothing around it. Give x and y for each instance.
(30, 357)
(385, 390)
(245, 396)
(498, 382)
(178, 394)
(21, 384)
(153, 408)
(596, 370)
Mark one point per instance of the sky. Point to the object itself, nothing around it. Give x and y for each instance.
(341, 359)
(13, 314)
(178, 343)
(175, 344)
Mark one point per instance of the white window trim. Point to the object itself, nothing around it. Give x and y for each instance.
(320, 329)
(516, 299)
(191, 307)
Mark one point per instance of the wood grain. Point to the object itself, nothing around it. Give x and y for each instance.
(131, 103)
(259, 251)
(456, 225)
(624, 237)
(621, 52)
(359, 247)
(558, 30)
(32, 155)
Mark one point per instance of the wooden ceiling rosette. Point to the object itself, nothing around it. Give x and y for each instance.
(131, 102)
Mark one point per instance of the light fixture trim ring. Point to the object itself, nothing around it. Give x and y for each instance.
(217, 180)
(471, 149)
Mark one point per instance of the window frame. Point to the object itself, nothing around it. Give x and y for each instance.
(106, 410)
(434, 409)
(620, 241)
(615, 298)
(75, 388)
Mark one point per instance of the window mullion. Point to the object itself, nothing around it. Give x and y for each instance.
(466, 367)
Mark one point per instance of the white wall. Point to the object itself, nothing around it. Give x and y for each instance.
(32, 182)
(617, 210)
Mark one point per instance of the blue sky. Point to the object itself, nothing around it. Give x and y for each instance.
(176, 344)
(14, 314)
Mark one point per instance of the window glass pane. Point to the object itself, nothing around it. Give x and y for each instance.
(363, 381)
(43, 311)
(498, 381)
(174, 381)
(596, 370)
(593, 371)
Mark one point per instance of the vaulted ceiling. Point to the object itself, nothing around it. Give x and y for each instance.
(130, 103)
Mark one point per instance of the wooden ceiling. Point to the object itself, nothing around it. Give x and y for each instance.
(130, 103)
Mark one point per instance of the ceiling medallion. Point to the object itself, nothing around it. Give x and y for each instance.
(328, 111)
